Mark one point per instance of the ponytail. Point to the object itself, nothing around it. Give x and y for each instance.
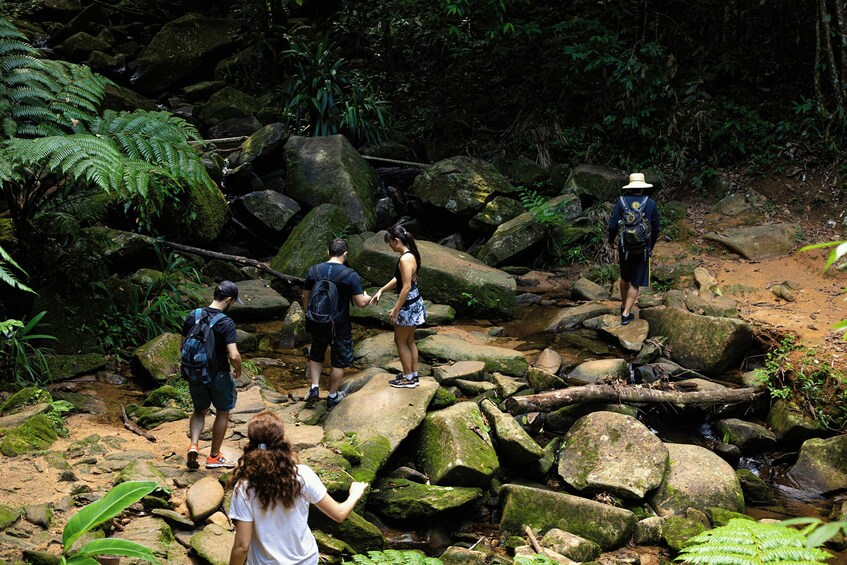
(406, 238)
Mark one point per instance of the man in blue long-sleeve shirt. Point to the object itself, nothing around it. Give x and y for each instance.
(636, 218)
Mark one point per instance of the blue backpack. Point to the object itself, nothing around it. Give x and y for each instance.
(198, 362)
(323, 309)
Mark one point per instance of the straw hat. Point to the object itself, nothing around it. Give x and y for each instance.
(636, 180)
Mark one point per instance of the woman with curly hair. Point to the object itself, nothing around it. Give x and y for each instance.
(271, 497)
(409, 311)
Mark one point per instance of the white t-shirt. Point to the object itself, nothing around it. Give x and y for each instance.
(280, 535)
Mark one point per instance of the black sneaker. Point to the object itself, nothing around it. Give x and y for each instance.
(313, 395)
(331, 401)
(403, 382)
(626, 319)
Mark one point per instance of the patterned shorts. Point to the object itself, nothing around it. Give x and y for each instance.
(413, 312)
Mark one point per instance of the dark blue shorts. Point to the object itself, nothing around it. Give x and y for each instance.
(636, 270)
(341, 350)
(219, 393)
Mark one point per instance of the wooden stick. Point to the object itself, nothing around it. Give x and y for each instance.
(130, 425)
(548, 401)
(237, 139)
(264, 267)
(396, 161)
(532, 540)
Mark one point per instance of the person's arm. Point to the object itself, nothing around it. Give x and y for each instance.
(407, 270)
(241, 545)
(362, 300)
(305, 299)
(234, 359)
(339, 511)
(388, 286)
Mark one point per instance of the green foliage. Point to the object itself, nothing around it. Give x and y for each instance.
(536, 559)
(8, 276)
(159, 307)
(55, 140)
(809, 381)
(323, 97)
(89, 517)
(393, 557)
(474, 17)
(59, 409)
(745, 542)
(545, 214)
(22, 361)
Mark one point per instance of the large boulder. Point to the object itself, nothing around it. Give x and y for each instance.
(702, 343)
(604, 451)
(696, 478)
(35, 434)
(266, 212)
(790, 425)
(514, 445)
(377, 409)
(597, 371)
(293, 330)
(183, 49)
(748, 436)
(497, 211)
(514, 237)
(758, 242)
(598, 183)
(455, 348)
(542, 509)
(228, 103)
(204, 498)
(200, 216)
(328, 170)
(308, 242)
(822, 465)
(261, 302)
(573, 316)
(403, 499)
(447, 276)
(460, 185)
(158, 359)
(454, 448)
(261, 150)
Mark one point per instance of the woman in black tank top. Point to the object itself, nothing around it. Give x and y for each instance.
(409, 311)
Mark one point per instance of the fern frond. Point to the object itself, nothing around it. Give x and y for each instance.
(744, 542)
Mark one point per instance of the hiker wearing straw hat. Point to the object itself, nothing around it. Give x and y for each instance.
(636, 219)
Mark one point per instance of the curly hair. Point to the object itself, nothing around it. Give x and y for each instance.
(268, 464)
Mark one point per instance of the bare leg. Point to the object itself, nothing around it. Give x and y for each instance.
(401, 340)
(218, 431)
(196, 425)
(335, 375)
(315, 369)
(631, 297)
(414, 349)
(624, 288)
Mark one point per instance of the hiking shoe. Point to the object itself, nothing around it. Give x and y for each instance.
(313, 394)
(191, 459)
(403, 382)
(218, 462)
(626, 319)
(331, 401)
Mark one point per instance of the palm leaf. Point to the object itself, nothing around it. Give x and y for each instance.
(115, 546)
(113, 503)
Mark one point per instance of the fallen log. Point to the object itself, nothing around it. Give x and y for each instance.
(548, 401)
(130, 425)
(264, 267)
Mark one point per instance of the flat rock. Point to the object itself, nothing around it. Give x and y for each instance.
(592, 372)
(465, 370)
(261, 302)
(572, 317)
(377, 409)
(213, 544)
(249, 402)
(18, 418)
(153, 533)
(630, 336)
(589, 290)
(376, 350)
(757, 242)
(303, 436)
(455, 348)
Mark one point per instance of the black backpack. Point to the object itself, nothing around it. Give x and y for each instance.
(322, 311)
(198, 361)
(635, 226)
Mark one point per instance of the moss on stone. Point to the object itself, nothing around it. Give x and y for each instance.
(375, 453)
(677, 531)
(8, 516)
(161, 396)
(360, 534)
(36, 433)
(721, 516)
(403, 499)
(25, 397)
(442, 399)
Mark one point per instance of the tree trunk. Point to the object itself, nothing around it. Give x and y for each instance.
(548, 401)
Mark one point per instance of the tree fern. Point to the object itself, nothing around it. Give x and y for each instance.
(393, 557)
(744, 542)
(7, 276)
(57, 139)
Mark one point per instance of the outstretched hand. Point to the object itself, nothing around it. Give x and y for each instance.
(357, 489)
(375, 298)
(392, 314)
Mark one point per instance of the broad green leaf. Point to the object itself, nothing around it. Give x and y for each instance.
(116, 546)
(94, 514)
(81, 560)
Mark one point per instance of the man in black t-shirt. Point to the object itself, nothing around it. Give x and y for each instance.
(220, 392)
(340, 341)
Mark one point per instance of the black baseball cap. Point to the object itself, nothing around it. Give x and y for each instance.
(227, 289)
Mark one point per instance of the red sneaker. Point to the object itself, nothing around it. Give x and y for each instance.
(219, 461)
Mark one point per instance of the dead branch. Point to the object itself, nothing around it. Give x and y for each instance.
(551, 400)
(130, 425)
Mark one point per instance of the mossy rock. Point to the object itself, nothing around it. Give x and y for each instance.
(157, 359)
(721, 516)
(38, 432)
(68, 366)
(756, 491)
(8, 516)
(149, 417)
(443, 398)
(162, 396)
(26, 397)
(375, 453)
(677, 531)
(329, 545)
(139, 470)
(309, 240)
(403, 499)
(360, 534)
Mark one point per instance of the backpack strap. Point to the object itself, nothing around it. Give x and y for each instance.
(198, 314)
(217, 317)
(644, 203)
(336, 278)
